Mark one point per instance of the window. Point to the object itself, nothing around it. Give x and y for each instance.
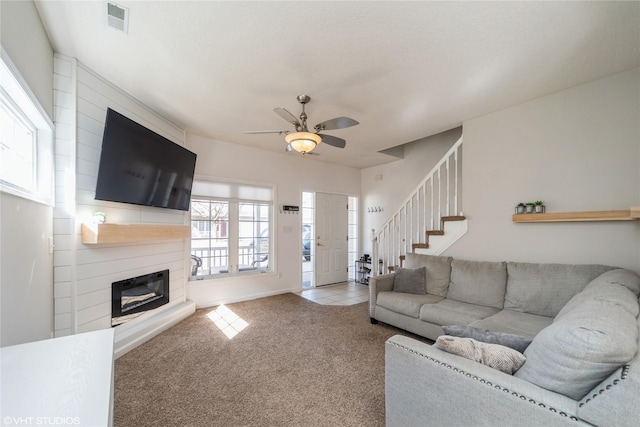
(26, 139)
(253, 235)
(353, 235)
(308, 251)
(230, 235)
(209, 236)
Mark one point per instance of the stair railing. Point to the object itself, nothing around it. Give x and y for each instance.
(437, 196)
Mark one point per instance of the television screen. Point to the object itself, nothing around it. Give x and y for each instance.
(139, 166)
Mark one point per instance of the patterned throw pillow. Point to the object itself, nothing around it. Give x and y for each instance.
(495, 356)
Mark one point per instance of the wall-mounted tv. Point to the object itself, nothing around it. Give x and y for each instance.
(140, 167)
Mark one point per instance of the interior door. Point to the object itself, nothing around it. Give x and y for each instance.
(331, 238)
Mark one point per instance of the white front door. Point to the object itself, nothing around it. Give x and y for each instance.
(331, 238)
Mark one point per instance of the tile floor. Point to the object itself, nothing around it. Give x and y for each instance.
(346, 293)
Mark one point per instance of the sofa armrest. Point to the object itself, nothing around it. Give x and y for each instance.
(383, 283)
(426, 386)
(615, 401)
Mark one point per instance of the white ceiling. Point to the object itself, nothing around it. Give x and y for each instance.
(404, 70)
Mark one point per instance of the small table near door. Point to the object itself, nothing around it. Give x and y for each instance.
(363, 271)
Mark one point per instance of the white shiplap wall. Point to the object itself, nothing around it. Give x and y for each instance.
(64, 112)
(84, 273)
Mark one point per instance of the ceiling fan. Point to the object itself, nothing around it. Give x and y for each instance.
(304, 141)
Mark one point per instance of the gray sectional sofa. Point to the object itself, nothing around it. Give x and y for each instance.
(582, 366)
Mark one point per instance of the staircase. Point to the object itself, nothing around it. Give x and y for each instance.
(429, 220)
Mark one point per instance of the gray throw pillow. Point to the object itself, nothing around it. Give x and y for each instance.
(515, 342)
(410, 280)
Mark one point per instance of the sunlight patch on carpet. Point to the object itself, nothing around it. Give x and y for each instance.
(227, 321)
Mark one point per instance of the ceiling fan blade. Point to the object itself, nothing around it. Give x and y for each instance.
(333, 140)
(337, 123)
(266, 131)
(287, 116)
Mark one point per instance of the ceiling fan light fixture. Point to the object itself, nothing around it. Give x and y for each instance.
(303, 142)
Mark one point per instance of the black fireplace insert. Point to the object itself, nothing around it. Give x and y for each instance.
(131, 297)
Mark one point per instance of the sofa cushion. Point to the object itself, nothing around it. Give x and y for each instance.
(581, 348)
(407, 304)
(604, 292)
(514, 322)
(478, 282)
(449, 312)
(495, 356)
(544, 289)
(619, 276)
(515, 342)
(438, 271)
(410, 280)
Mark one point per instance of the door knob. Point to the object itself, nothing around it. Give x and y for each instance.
(320, 244)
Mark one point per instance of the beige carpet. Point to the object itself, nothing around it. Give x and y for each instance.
(297, 363)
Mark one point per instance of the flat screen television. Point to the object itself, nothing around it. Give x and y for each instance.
(140, 167)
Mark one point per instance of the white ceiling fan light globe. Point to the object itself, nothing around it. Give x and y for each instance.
(303, 142)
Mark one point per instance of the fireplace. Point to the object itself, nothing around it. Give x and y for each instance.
(132, 297)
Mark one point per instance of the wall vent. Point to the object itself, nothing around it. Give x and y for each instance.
(117, 17)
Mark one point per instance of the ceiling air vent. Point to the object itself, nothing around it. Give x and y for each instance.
(117, 17)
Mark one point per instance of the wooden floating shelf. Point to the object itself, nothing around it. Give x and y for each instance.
(622, 215)
(94, 234)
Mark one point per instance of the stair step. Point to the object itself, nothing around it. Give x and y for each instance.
(435, 232)
(420, 246)
(453, 218)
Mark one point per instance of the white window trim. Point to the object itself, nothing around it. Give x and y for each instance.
(233, 192)
(15, 88)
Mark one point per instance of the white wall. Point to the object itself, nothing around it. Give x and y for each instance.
(291, 174)
(577, 150)
(399, 179)
(84, 273)
(26, 282)
(26, 270)
(23, 37)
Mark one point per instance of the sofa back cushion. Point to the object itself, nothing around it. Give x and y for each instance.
(584, 345)
(478, 282)
(438, 271)
(619, 276)
(543, 289)
(604, 293)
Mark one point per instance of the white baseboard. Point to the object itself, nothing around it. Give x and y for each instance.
(126, 339)
(214, 303)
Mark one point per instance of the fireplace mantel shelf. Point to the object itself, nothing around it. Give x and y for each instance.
(95, 234)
